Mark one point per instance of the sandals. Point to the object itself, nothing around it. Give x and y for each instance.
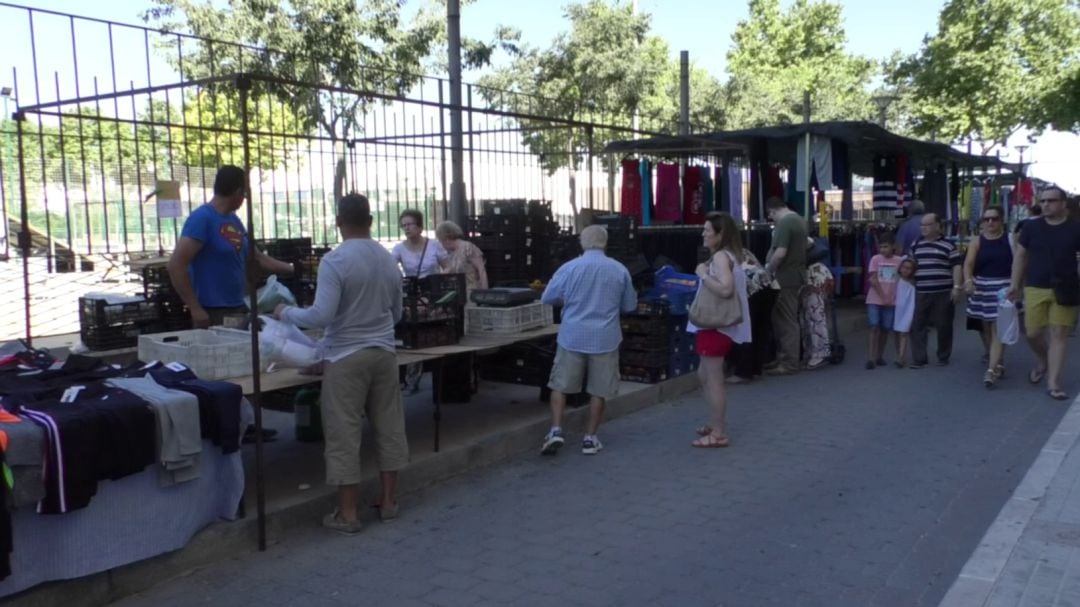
(989, 378)
(1057, 394)
(1036, 375)
(711, 441)
(704, 430)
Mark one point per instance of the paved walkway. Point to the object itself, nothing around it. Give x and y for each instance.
(842, 487)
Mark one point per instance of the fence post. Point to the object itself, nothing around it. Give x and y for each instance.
(24, 228)
(243, 85)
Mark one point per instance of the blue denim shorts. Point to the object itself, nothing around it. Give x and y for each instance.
(880, 316)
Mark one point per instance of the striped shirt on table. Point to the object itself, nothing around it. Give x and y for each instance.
(936, 259)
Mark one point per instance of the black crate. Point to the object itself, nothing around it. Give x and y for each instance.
(510, 242)
(426, 335)
(615, 221)
(97, 313)
(521, 257)
(633, 324)
(653, 307)
(415, 310)
(508, 374)
(645, 358)
(156, 281)
(647, 341)
(285, 249)
(504, 207)
(499, 224)
(643, 375)
(98, 339)
(435, 287)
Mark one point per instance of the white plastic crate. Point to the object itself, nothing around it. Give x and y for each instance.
(211, 354)
(480, 320)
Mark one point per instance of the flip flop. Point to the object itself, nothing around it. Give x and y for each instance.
(1058, 394)
(704, 430)
(1036, 375)
(711, 441)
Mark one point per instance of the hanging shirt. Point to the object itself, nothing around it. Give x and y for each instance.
(693, 197)
(631, 188)
(885, 183)
(668, 207)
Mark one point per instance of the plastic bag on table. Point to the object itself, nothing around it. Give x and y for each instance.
(1008, 323)
(272, 294)
(286, 345)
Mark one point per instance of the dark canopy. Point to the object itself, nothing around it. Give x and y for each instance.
(864, 139)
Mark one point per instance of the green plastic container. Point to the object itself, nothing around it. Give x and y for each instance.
(307, 413)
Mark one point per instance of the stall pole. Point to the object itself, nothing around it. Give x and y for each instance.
(684, 116)
(243, 85)
(457, 163)
(589, 143)
(24, 229)
(806, 157)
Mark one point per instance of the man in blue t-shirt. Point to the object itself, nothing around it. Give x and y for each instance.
(208, 265)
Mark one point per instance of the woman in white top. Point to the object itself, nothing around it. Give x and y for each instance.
(719, 275)
(418, 255)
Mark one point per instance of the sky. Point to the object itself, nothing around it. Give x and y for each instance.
(702, 27)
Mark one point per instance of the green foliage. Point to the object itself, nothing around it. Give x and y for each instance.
(777, 55)
(601, 71)
(210, 135)
(995, 66)
(359, 46)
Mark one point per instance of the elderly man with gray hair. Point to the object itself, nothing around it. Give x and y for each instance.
(592, 289)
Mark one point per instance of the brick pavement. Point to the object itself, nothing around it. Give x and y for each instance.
(842, 487)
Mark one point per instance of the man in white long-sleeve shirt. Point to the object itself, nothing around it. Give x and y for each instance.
(358, 302)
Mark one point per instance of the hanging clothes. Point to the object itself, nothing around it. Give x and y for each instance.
(977, 204)
(821, 161)
(885, 183)
(1025, 192)
(840, 165)
(631, 188)
(964, 203)
(668, 207)
(709, 191)
(953, 210)
(646, 193)
(774, 185)
(735, 189)
(693, 196)
(936, 190)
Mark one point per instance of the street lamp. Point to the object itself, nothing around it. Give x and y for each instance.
(883, 102)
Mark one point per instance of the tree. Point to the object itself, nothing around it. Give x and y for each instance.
(778, 55)
(993, 67)
(210, 131)
(601, 71)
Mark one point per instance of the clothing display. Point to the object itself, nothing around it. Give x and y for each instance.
(646, 193)
(631, 189)
(821, 163)
(668, 205)
(693, 196)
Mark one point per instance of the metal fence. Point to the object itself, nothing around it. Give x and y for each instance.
(110, 115)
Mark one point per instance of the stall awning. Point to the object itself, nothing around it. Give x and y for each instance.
(865, 140)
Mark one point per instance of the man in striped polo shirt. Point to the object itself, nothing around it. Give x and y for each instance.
(937, 289)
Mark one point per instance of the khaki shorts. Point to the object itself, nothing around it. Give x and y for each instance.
(1041, 309)
(363, 383)
(569, 370)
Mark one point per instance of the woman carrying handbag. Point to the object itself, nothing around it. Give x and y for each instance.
(720, 317)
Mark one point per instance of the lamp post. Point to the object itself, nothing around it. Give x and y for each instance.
(883, 102)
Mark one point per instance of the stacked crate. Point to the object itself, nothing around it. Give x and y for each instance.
(157, 287)
(432, 311)
(292, 251)
(110, 326)
(515, 237)
(656, 345)
(624, 245)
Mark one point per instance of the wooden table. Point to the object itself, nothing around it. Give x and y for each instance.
(470, 344)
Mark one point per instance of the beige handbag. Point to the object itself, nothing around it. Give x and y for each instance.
(710, 311)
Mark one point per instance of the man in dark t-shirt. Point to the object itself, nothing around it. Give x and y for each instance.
(1045, 265)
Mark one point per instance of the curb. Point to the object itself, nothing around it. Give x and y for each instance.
(986, 564)
(229, 540)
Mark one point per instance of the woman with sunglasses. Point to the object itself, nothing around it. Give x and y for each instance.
(987, 269)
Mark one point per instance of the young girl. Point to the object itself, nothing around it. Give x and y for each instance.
(905, 308)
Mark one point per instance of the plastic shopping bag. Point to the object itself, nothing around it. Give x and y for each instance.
(1008, 323)
(286, 345)
(272, 294)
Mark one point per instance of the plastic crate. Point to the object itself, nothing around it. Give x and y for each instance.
(416, 310)
(643, 375)
(504, 207)
(156, 281)
(517, 257)
(525, 375)
(100, 313)
(511, 242)
(653, 307)
(285, 249)
(415, 336)
(210, 353)
(668, 279)
(645, 325)
(435, 287)
(678, 300)
(655, 341)
(480, 320)
(645, 358)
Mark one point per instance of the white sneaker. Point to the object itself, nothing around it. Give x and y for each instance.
(552, 441)
(591, 445)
